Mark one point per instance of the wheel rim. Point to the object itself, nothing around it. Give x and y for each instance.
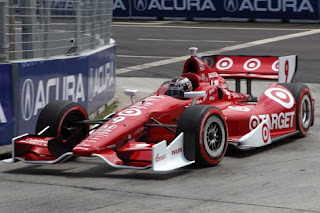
(214, 137)
(68, 128)
(305, 112)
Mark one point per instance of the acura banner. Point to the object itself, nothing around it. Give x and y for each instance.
(88, 80)
(6, 105)
(257, 9)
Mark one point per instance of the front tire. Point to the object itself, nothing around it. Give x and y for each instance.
(302, 96)
(205, 134)
(60, 117)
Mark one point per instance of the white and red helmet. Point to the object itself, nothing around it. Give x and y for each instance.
(178, 86)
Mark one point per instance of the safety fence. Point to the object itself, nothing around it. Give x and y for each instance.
(288, 10)
(53, 50)
(46, 28)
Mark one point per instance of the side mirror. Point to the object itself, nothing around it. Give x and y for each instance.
(194, 95)
(131, 93)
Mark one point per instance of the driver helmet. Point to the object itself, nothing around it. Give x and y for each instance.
(178, 86)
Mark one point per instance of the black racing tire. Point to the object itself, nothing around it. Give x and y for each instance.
(304, 112)
(59, 115)
(205, 134)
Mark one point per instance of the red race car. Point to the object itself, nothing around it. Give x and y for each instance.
(190, 119)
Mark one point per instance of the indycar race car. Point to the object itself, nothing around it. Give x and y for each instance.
(191, 119)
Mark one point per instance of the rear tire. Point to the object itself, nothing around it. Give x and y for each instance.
(205, 134)
(59, 115)
(302, 96)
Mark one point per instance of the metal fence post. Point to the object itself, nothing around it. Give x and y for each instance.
(27, 29)
(84, 16)
(77, 42)
(11, 30)
(46, 10)
(3, 32)
(93, 17)
(109, 21)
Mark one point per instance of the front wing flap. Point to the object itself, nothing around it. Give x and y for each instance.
(169, 158)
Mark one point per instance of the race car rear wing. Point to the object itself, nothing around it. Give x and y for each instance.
(253, 67)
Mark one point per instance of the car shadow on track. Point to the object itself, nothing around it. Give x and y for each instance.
(236, 153)
(74, 169)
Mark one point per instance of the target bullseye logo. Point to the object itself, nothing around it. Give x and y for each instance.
(224, 63)
(265, 133)
(281, 96)
(254, 122)
(130, 112)
(275, 66)
(239, 108)
(252, 64)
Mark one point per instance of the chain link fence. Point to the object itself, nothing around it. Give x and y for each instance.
(46, 28)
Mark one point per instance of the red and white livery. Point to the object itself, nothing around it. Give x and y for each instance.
(165, 133)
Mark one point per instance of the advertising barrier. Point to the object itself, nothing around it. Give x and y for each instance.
(218, 9)
(6, 105)
(88, 80)
(101, 78)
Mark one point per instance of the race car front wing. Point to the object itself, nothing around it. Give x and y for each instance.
(164, 158)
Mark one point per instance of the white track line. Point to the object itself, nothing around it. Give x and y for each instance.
(213, 52)
(143, 23)
(210, 28)
(183, 40)
(141, 56)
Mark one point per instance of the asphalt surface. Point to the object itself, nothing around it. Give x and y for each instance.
(282, 177)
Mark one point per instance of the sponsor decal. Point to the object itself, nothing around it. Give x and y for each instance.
(140, 5)
(227, 93)
(280, 120)
(252, 64)
(275, 66)
(212, 98)
(3, 118)
(231, 5)
(265, 133)
(224, 63)
(118, 4)
(176, 151)
(281, 96)
(130, 112)
(35, 141)
(98, 135)
(171, 5)
(296, 6)
(117, 119)
(135, 110)
(212, 91)
(239, 108)
(35, 96)
(100, 79)
(160, 157)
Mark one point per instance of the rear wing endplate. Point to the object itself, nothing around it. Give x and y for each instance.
(254, 67)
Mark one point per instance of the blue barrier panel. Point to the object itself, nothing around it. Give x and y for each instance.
(121, 8)
(271, 9)
(41, 82)
(88, 80)
(257, 9)
(101, 78)
(6, 105)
